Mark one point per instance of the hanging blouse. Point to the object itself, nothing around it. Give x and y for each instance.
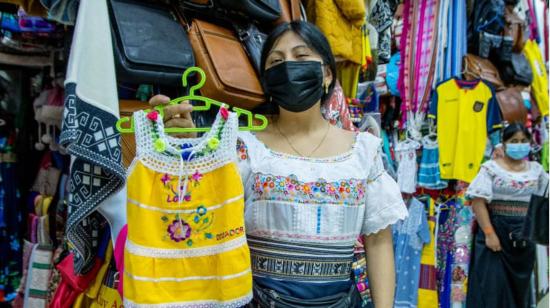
(186, 244)
(303, 215)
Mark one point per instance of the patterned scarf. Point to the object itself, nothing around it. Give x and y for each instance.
(91, 111)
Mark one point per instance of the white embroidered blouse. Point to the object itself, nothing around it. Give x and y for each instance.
(303, 215)
(493, 182)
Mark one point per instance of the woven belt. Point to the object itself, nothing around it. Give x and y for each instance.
(508, 208)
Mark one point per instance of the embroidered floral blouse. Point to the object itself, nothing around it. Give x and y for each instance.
(493, 182)
(303, 215)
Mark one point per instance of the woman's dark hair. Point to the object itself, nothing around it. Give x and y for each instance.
(510, 130)
(314, 39)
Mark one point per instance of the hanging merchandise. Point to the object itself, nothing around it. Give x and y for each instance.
(409, 236)
(342, 23)
(429, 176)
(407, 165)
(91, 111)
(467, 112)
(478, 68)
(540, 77)
(392, 75)
(445, 250)
(381, 17)
(517, 71)
(427, 290)
(462, 248)
(512, 105)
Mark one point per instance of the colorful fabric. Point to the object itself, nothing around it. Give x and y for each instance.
(445, 249)
(88, 130)
(462, 252)
(409, 236)
(467, 111)
(186, 238)
(427, 290)
(40, 268)
(405, 153)
(540, 76)
(429, 176)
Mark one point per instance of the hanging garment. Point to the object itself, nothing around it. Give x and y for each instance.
(461, 255)
(429, 176)
(540, 76)
(467, 111)
(445, 248)
(348, 76)
(427, 290)
(89, 132)
(186, 240)
(409, 236)
(407, 169)
(503, 279)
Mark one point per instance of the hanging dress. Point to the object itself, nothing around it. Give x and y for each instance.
(186, 244)
(502, 279)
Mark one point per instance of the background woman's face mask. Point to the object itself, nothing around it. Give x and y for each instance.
(518, 151)
(295, 85)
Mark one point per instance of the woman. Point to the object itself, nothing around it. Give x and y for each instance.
(503, 261)
(310, 188)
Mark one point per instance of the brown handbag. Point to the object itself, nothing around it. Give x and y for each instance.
(515, 28)
(290, 11)
(230, 77)
(511, 105)
(478, 68)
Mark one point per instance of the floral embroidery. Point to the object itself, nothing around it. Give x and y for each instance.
(165, 179)
(242, 150)
(190, 227)
(224, 113)
(179, 230)
(197, 176)
(348, 191)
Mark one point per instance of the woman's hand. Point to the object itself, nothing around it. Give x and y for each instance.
(175, 115)
(492, 242)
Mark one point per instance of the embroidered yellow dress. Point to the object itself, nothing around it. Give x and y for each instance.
(186, 243)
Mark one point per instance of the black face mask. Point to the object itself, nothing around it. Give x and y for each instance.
(295, 85)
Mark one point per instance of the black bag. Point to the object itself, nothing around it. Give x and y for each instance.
(535, 227)
(261, 11)
(258, 10)
(487, 16)
(516, 72)
(150, 44)
(253, 40)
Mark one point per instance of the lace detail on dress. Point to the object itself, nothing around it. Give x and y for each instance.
(219, 143)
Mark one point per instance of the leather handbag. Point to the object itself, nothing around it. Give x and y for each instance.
(258, 10)
(478, 68)
(516, 28)
(150, 45)
(253, 41)
(512, 106)
(290, 11)
(261, 11)
(230, 77)
(517, 71)
(535, 226)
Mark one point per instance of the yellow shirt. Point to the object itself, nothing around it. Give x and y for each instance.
(540, 77)
(186, 243)
(466, 111)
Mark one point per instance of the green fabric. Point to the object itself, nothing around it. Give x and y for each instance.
(544, 159)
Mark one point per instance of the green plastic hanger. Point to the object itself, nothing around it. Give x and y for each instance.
(208, 102)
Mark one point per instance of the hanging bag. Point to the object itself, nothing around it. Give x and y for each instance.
(260, 11)
(535, 226)
(516, 28)
(150, 45)
(479, 68)
(231, 78)
(512, 106)
(518, 71)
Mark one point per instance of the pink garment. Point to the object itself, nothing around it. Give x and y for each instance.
(336, 110)
(119, 256)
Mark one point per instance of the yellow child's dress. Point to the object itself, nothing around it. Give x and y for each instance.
(186, 243)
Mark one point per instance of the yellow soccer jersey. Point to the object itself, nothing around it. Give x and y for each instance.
(466, 112)
(540, 78)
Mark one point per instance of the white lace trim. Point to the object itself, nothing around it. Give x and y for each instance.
(171, 161)
(182, 279)
(210, 208)
(239, 302)
(162, 253)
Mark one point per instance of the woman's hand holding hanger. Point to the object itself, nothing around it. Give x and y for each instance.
(176, 115)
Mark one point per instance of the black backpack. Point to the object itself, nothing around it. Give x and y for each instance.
(488, 16)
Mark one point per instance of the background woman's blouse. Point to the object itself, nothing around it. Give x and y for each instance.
(303, 215)
(493, 182)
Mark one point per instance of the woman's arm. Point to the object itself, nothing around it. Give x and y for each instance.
(381, 267)
(492, 241)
